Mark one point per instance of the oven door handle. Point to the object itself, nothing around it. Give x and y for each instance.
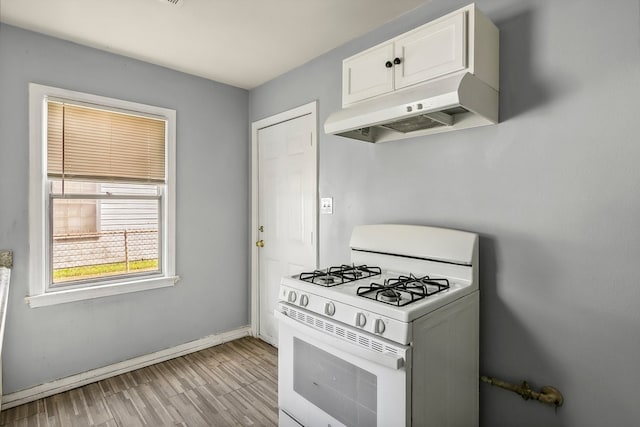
(384, 359)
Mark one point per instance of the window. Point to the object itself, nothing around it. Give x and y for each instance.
(74, 217)
(102, 191)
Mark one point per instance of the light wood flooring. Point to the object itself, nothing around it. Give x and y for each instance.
(233, 384)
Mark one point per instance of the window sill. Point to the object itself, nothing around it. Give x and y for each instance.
(70, 295)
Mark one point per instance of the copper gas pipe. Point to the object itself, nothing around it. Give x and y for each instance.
(547, 394)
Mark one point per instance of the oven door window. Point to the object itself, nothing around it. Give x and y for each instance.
(341, 389)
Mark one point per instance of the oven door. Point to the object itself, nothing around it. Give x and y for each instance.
(327, 380)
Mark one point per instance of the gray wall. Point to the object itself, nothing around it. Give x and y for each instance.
(46, 343)
(553, 191)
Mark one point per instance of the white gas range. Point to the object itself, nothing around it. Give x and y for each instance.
(390, 339)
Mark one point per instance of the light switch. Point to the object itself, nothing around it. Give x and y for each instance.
(326, 205)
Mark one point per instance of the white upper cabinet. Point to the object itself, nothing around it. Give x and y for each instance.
(431, 51)
(365, 75)
(460, 42)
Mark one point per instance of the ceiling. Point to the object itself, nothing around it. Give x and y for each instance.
(243, 43)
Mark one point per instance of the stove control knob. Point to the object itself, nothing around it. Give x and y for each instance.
(379, 329)
(292, 296)
(361, 320)
(329, 309)
(304, 300)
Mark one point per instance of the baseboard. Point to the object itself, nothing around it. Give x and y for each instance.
(58, 386)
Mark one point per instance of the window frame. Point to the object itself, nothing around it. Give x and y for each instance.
(39, 222)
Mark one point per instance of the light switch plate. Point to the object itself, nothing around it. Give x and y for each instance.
(326, 205)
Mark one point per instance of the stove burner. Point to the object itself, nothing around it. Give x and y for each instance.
(327, 279)
(389, 295)
(338, 275)
(403, 290)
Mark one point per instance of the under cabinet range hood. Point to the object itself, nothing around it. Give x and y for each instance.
(457, 102)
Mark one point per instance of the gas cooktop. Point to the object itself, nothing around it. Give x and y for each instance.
(398, 290)
(339, 275)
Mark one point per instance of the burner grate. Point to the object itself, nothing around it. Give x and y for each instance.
(339, 275)
(403, 290)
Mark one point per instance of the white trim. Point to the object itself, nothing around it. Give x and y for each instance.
(310, 108)
(38, 294)
(37, 191)
(98, 291)
(58, 386)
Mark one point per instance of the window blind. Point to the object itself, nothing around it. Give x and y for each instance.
(88, 143)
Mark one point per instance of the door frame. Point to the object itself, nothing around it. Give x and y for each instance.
(303, 110)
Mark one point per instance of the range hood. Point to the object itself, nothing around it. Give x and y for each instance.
(457, 102)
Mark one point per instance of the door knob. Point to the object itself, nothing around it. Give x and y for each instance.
(260, 243)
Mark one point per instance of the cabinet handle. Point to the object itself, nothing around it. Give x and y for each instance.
(397, 61)
(388, 64)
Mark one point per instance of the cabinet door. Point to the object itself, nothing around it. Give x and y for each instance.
(432, 51)
(365, 75)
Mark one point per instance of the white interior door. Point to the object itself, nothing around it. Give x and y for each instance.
(287, 216)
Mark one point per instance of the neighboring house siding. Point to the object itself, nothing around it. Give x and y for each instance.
(118, 214)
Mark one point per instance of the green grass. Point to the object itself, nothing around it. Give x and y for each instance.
(89, 271)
